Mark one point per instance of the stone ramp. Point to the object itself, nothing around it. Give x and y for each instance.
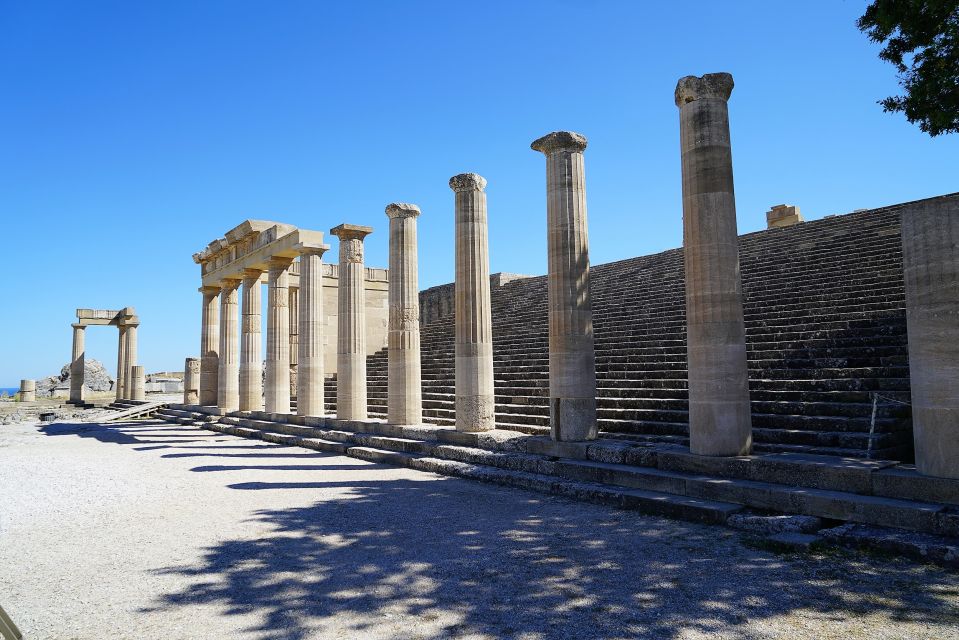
(133, 410)
(825, 330)
(656, 479)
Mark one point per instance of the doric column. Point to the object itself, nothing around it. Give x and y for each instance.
(719, 415)
(191, 381)
(930, 258)
(77, 364)
(228, 374)
(294, 336)
(309, 369)
(404, 395)
(572, 359)
(278, 336)
(475, 400)
(121, 362)
(130, 359)
(251, 343)
(351, 323)
(28, 390)
(209, 345)
(137, 383)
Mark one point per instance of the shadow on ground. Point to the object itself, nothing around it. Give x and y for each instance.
(448, 558)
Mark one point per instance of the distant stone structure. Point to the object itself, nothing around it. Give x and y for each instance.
(127, 323)
(783, 215)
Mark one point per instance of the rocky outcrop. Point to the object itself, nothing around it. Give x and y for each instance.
(95, 378)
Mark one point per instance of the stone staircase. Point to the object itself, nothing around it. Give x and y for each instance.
(825, 331)
(132, 410)
(661, 479)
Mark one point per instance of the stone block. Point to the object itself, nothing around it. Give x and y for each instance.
(546, 447)
(817, 472)
(907, 483)
(686, 462)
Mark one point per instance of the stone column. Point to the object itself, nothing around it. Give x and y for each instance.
(930, 257)
(351, 323)
(28, 391)
(121, 362)
(719, 414)
(294, 337)
(309, 369)
(572, 359)
(137, 382)
(404, 395)
(228, 371)
(209, 345)
(191, 381)
(130, 360)
(251, 343)
(77, 364)
(475, 400)
(277, 396)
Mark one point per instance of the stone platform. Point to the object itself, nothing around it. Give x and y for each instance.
(659, 479)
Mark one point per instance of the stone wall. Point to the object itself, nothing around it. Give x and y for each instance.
(377, 312)
(440, 301)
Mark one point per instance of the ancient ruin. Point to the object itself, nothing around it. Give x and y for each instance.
(126, 322)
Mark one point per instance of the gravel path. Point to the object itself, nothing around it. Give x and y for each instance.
(152, 531)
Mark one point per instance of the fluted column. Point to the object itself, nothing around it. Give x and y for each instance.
(137, 383)
(309, 369)
(351, 323)
(191, 381)
(475, 406)
(930, 257)
(572, 359)
(251, 343)
(719, 415)
(77, 364)
(121, 362)
(130, 359)
(209, 345)
(294, 338)
(404, 396)
(277, 393)
(228, 374)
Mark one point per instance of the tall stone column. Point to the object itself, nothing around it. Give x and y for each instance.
(475, 400)
(309, 370)
(137, 383)
(294, 337)
(209, 346)
(572, 358)
(191, 381)
(77, 364)
(277, 393)
(930, 258)
(130, 359)
(121, 362)
(404, 396)
(251, 343)
(719, 416)
(228, 373)
(351, 323)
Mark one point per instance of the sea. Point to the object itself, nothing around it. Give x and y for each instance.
(9, 390)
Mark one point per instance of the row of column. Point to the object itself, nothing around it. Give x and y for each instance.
(129, 382)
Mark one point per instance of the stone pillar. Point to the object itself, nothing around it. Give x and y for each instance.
(572, 358)
(130, 360)
(404, 395)
(930, 258)
(294, 337)
(277, 396)
(719, 414)
(28, 391)
(137, 382)
(309, 370)
(121, 362)
(351, 323)
(191, 381)
(251, 343)
(228, 371)
(209, 345)
(475, 400)
(77, 364)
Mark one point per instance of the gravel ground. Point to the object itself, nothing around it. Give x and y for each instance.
(146, 530)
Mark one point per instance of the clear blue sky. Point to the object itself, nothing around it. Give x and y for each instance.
(133, 133)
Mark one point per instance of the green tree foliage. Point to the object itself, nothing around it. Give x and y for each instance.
(921, 39)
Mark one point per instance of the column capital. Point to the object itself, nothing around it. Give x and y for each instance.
(467, 182)
(312, 250)
(230, 283)
(280, 262)
(351, 231)
(402, 210)
(252, 274)
(712, 85)
(560, 141)
(77, 325)
(209, 289)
